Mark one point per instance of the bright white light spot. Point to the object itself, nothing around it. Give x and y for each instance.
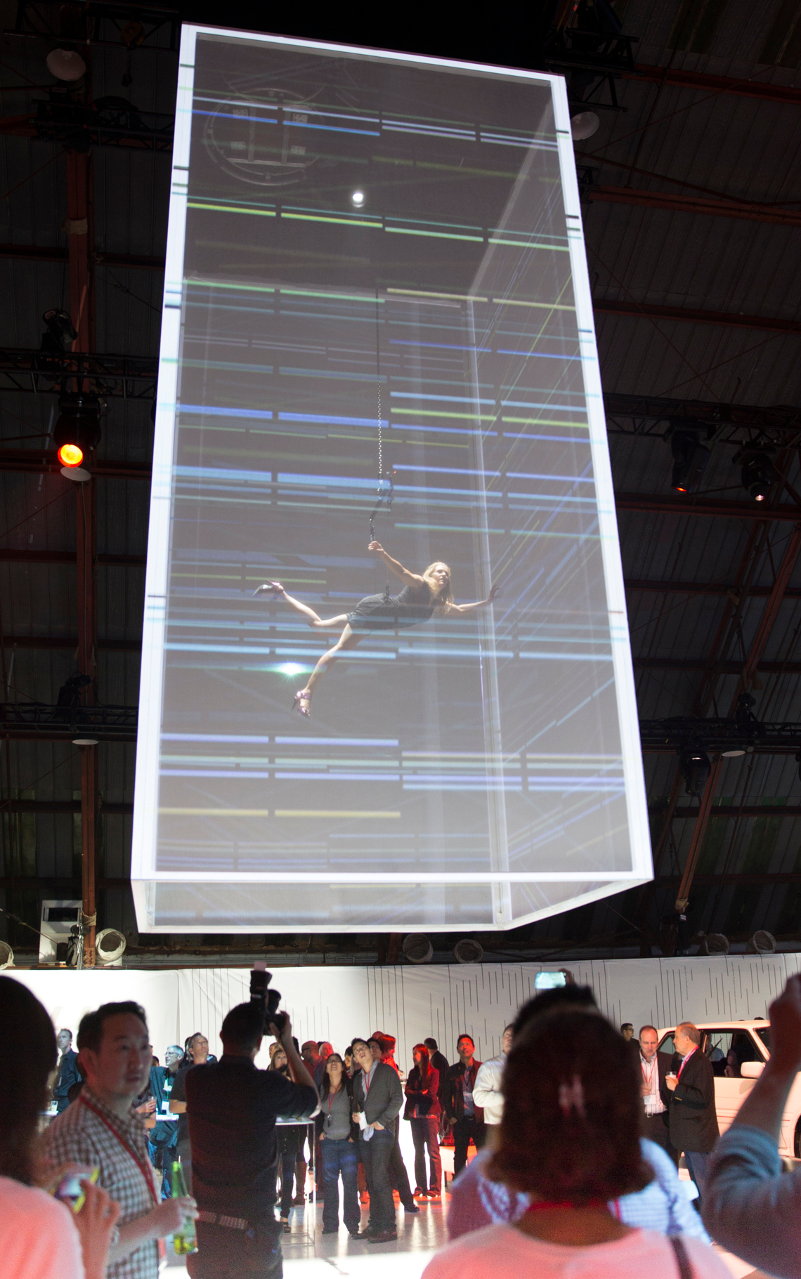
(290, 668)
(357, 198)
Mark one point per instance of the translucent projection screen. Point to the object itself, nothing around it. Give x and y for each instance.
(377, 329)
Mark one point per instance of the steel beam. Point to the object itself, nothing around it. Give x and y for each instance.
(55, 253)
(694, 315)
(749, 667)
(705, 206)
(748, 87)
(27, 555)
(694, 505)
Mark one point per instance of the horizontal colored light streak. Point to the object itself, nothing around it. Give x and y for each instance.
(216, 737)
(383, 743)
(430, 131)
(332, 420)
(506, 241)
(207, 206)
(214, 812)
(211, 772)
(443, 346)
(328, 128)
(448, 399)
(284, 124)
(285, 108)
(335, 774)
(327, 813)
(434, 235)
(210, 410)
(345, 219)
(538, 355)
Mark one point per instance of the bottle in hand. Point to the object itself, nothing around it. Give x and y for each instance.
(184, 1240)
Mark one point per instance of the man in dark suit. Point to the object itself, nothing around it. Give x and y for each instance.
(464, 1116)
(653, 1068)
(68, 1072)
(377, 1101)
(688, 1091)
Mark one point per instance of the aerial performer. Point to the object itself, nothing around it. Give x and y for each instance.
(424, 595)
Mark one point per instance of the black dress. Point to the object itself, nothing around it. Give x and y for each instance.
(387, 612)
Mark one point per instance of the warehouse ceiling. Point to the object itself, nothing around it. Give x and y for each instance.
(692, 205)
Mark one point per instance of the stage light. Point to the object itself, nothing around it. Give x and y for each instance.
(70, 455)
(110, 946)
(417, 948)
(714, 944)
(77, 432)
(695, 767)
(762, 943)
(468, 952)
(65, 64)
(690, 459)
(757, 473)
(61, 332)
(357, 198)
(583, 125)
(290, 668)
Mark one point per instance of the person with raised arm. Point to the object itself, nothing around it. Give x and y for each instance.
(751, 1206)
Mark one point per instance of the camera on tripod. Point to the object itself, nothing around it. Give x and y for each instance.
(265, 998)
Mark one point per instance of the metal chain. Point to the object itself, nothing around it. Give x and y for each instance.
(380, 436)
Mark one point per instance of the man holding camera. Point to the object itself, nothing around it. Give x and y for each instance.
(232, 1108)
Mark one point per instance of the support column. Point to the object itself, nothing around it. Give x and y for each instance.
(87, 665)
(80, 247)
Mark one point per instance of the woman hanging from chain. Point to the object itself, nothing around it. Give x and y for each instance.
(424, 595)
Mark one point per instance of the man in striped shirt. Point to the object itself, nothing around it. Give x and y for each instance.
(101, 1131)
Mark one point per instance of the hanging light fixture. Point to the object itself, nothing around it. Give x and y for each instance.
(417, 948)
(77, 432)
(690, 458)
(65, 64)
(695, 767)
(583, 125)
(756, 473)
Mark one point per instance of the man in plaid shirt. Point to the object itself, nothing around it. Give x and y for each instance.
(100, 1130)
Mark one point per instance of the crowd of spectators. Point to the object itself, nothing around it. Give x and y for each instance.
(578, 1128)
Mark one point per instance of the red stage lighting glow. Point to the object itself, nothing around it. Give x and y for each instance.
(70, 455)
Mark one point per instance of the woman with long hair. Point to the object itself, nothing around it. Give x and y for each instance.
(339, 1151)
(569, 1138)
(40, 1238)
(423, 1112)
(289, 1141)
(424, 595)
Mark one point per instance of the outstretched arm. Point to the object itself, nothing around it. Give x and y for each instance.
(394, 566)
(750, 1206)
(458, 610)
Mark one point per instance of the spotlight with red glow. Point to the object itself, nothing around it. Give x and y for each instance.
(77, 432)
(70, 455)
(690, 456)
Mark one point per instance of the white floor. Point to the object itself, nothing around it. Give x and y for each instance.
(309, 1255)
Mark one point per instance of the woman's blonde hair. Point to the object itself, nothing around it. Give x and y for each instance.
(445, 596)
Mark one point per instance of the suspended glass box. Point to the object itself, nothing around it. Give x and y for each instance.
(377, 326)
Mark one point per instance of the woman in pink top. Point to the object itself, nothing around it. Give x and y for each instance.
(569, 1138)
(40, 1238)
